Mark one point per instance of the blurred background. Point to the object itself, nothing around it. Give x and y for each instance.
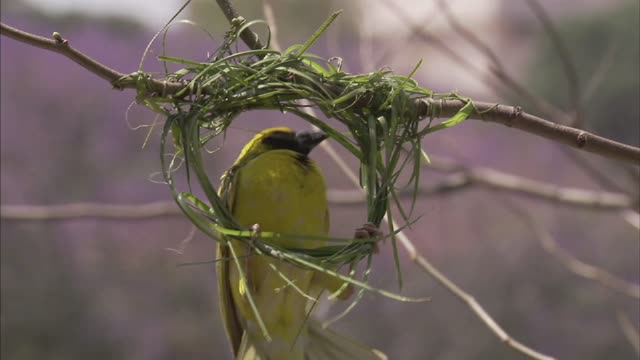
(111, 288)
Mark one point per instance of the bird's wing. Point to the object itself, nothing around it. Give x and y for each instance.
(227, 306)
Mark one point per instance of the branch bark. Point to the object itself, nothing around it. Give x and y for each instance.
(513, 116)
(89, 210)
(61, 46)
(249, 37)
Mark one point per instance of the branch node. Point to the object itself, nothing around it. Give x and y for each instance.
(238, 21)
(58, 38)
(516, 112)
(581, 140)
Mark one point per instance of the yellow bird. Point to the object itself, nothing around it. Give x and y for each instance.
(275, 186)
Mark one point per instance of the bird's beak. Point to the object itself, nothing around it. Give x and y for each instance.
(316, 138)
(307, 140)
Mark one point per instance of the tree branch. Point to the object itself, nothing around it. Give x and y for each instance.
(249, 37)
(513, 116)
(573, 264)
(62, 46)
(461, 177)
(569, 66)
(499, 71)
(469, 300)
(498, 180)
(89, 210)
(506, 115)
(497, 68)
(629, 331)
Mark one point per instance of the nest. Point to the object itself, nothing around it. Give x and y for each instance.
(379, 109)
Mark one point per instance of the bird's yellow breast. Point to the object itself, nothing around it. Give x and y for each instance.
(283, 192)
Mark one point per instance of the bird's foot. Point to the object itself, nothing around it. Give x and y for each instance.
(256, 230)
(369, 231)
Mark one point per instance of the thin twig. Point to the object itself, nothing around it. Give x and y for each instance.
(469, 300)
(89, 210)
(475, 307)
(585, 270)
(267, 9)
(600, 73)
(498, 69)
(599, 176)
(565, 59)
(62, 46)
(249, 37)
(569, 69)
(633, 218)
(630, 332)
(500, 72)
(498, 180)
(459, 180)
(578, 267)
(419, 32)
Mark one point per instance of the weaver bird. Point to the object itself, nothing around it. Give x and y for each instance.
(274, 186)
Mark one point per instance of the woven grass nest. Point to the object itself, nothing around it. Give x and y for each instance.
(380, 111)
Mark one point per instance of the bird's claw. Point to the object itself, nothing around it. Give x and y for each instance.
(369, 231)
(256, 230)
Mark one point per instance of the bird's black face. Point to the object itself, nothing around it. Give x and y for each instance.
(302, 142)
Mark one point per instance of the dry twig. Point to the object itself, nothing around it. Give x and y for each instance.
(570, 71)
(578, 267)
(89, 210)
(630, 332)
(460, 178)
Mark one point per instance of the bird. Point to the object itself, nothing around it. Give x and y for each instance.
(275, 186)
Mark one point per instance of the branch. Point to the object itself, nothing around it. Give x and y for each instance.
(506, 115)
(500, 72)
(501, 181)
(565, 59)
(573, 264)
(498, 180)
(497, 68)
(629, 331)
(587, 271)
(431, 270)
(459, 180)
(513, 116)
(469, 300)
(89, 210)
(61, 46)
(249, 37)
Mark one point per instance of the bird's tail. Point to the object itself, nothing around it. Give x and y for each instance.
(321, 344)
(326, 344)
